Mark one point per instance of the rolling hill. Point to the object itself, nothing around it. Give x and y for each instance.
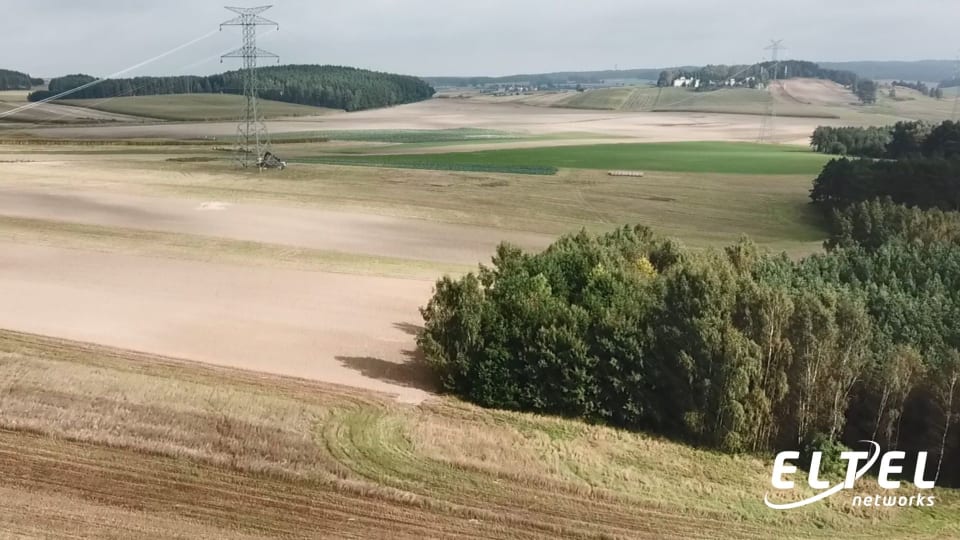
(192, 107)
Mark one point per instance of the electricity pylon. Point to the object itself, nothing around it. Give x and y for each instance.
(767, 125)
(253, 141)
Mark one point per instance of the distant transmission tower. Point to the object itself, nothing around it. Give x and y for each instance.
(769, 119)
(253, 141)
(956, 97)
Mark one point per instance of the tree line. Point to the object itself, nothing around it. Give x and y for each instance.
(922, 167)
(735, 349)
(913, 139)
(762, 71)
(15, 80)
(335, 87)
(934, 92)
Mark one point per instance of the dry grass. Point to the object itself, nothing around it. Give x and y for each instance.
(701, 209)
(109, 443)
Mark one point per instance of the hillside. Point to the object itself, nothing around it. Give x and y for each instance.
(334, 87)
(800, 97)
(191, 107)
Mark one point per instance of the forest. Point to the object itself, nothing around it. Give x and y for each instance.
(922, 167)
(905, 139)
(15, 80)
(735, 349)
(335, 87)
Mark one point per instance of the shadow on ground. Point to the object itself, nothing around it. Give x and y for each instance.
(412, 373)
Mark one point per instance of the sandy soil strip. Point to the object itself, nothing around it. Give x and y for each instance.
(344, 329)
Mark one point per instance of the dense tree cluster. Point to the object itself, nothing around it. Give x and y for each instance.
(735, 349)
(876, 222)
(866, 91)
(853, 141)
(15, 80)
(926, 183)
(336, 87)
(718, 74)
(934, 92)
(903, 140)
(923, 168)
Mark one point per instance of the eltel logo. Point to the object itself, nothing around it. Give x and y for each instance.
(890, 464)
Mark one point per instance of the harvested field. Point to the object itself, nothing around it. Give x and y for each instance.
(103, 442)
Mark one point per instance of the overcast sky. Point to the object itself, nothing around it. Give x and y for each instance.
(484, 37)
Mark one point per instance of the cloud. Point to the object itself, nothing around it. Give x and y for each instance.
(494, 37)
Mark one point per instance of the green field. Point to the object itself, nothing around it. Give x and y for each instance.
(712, 157)
(190, 107)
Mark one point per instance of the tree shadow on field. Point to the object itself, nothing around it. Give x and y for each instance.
(412, 373)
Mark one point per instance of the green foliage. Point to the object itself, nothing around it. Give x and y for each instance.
(734, 349)
(943, 141)
(15, 80)
(866, 91)
(335, 87)
(831, 466)
(903, 140)
(874, 223)
(439, 165)
(864, 142)
(926, 183)
(716, 75)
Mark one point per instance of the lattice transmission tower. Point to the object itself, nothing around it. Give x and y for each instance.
(253, 141)
(769, 119)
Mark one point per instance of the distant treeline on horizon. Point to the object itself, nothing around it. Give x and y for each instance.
(15, 80)
(929, 71)
(335, 87)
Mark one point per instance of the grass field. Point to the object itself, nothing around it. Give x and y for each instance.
(113, 444)
(713, 157)
(188, 107)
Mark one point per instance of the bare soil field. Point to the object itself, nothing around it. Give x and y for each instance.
(323, 326)
(319, 229)
(814, 92)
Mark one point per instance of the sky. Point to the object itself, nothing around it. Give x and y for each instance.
(455, 37)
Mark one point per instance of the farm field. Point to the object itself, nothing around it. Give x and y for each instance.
(797, 98)
(277, 389)
(103, 442)
(191, 107)
(713, 157)
(460, 114)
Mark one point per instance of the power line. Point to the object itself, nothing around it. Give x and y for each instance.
(253, 140)
(767, 126)
(956, 98)
(111, 76)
